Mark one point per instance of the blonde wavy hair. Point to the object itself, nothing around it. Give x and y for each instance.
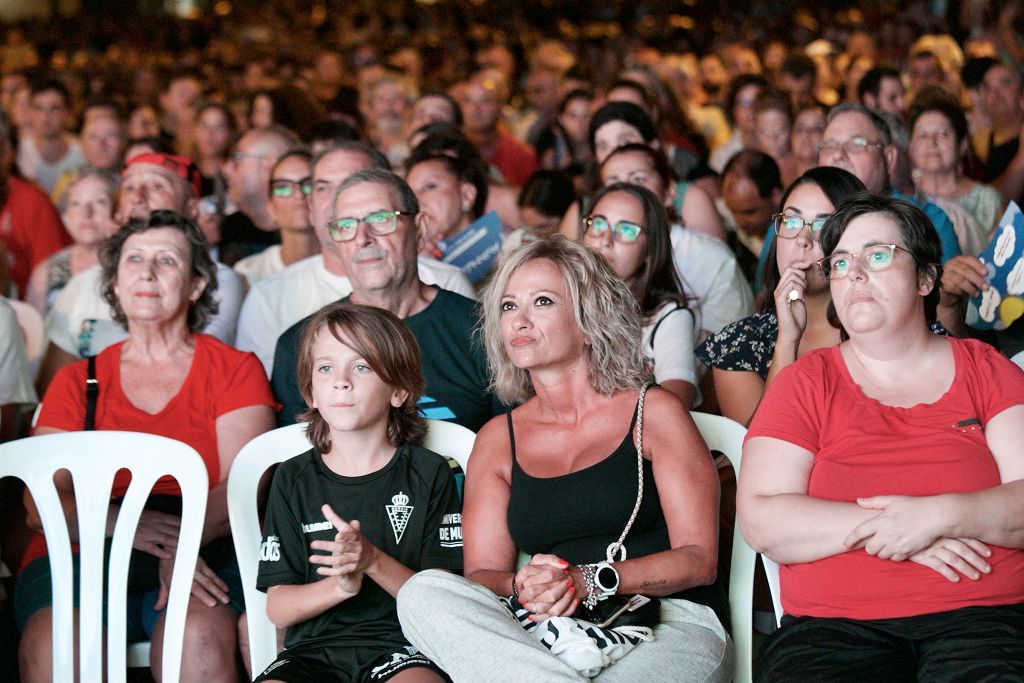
(604, 307)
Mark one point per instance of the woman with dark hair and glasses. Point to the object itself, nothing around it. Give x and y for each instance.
(885, 476)
(290, 187)
(630, 229)
(748, 354)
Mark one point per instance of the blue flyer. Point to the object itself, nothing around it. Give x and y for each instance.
(1001, 304)
(474, 249)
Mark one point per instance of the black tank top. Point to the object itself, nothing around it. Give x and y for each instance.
(575, 516)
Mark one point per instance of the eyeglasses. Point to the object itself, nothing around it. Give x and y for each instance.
(874, 258)
(623, 231)
(855, 145)
(789, 227)
(283, 187)
(379, 223)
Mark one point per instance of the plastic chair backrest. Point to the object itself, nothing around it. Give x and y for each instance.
(771, 570)
(726, 436)
(31, 324)
(252, 462)
(93, 458)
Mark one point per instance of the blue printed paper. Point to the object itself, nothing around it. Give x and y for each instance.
(474, 249)
(1001, 304)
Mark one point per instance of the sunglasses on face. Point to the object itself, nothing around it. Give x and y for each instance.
(623, 231)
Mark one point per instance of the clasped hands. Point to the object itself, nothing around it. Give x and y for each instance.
(548, 588)
(909, 528)
(348, 556)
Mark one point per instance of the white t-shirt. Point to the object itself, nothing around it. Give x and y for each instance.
(277, 302)
(15, 371)
(711, 275)
(261, 265)
(32, 166)
(671, 350)
(81, 323)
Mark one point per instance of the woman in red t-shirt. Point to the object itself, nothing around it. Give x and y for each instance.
(169, 380)
(885, 476)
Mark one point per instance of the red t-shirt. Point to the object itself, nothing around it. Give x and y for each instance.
(516, 161)
(864, 448)
(221, 379)
(30, 229)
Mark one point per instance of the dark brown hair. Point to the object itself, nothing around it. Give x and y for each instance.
(388, 347)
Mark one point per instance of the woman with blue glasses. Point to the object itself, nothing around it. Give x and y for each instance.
(630, 228)
(885, 476)
(746, 356)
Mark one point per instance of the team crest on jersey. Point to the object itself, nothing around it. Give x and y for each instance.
(399, 513)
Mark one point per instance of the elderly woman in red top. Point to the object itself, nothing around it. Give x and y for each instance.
(165, 379)
(885, 476)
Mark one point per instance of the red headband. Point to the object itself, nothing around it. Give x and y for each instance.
(179, 165)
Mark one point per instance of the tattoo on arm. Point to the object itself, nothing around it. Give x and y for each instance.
(654, 583)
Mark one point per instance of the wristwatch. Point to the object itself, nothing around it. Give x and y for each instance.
(606, 580)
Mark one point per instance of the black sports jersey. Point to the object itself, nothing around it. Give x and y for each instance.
(408, 509)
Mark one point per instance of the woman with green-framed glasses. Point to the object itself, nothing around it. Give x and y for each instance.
(746, 356)
(630, 228)
(884, 476)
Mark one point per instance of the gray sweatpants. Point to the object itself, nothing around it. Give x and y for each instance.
(463, 627)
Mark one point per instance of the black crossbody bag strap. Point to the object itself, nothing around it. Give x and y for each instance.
(92, 393)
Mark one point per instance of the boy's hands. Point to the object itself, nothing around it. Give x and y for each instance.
(349, 556)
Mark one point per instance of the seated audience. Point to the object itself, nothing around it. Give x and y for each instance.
(712, 280)
(452, 193)
(889, 465)
(629, 227)
(938, 143)
(375, 233)
(563, 340)
(793, 313)
(333, 588)
(81, 323)
(290, 187)
(167, 379)
(542, 202)
(88, 216)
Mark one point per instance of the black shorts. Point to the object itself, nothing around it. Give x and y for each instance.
(970, 644)
(345, 664)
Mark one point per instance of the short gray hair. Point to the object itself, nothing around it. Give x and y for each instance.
(877, 121)
(375, 156)
(407, 202)
(605, 309)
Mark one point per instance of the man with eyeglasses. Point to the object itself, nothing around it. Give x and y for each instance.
(290, 187)
(278, 301)
(251, 229)
(376, 224)
(858, 140)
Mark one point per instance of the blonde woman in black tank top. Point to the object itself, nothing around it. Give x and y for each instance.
(557, 479)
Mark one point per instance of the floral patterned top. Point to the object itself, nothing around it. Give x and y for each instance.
(746, 344)
(749, 344)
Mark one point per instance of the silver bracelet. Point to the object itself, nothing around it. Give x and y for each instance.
(588, 571)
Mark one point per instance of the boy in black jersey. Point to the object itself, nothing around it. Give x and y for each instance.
(349, 521)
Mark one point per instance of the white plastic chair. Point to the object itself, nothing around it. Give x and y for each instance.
(93, 458)
(726, 436)
(31, 324)
(771, 570)
(446, 438)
